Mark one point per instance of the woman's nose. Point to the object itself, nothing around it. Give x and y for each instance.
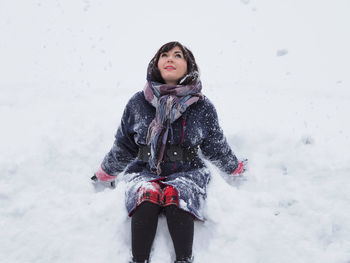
(170, 58)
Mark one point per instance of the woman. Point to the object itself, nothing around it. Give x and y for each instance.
(161, 132)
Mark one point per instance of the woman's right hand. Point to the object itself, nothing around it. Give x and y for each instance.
(102, 180)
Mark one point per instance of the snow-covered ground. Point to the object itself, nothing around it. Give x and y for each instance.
(278, 72)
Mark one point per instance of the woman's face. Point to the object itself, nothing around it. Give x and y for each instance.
(172, 65)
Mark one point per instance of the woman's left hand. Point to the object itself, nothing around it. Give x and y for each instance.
(241, 168)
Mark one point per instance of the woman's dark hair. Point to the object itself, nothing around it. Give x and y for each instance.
(153, 73)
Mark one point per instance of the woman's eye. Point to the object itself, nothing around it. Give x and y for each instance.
(178, 56)
(164, 55)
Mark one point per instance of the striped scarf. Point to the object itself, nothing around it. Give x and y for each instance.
(170, 101)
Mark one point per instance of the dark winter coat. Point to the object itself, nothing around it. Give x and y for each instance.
(197, 127)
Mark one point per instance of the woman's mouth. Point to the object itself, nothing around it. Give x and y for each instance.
(169, 68)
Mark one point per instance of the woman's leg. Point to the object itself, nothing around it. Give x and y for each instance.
(143, 229)
(181, 228)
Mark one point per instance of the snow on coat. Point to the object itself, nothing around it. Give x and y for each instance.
(197, 128)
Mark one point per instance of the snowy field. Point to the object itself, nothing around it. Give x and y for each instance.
(278, 73)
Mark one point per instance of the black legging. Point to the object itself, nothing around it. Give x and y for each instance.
(144, 225)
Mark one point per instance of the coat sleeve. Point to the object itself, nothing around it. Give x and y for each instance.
(124, 149)
(214, 145)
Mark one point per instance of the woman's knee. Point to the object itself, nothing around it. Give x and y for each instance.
(149, 192)
(170, 196)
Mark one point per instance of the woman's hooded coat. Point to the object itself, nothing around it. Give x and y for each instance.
(197, 128)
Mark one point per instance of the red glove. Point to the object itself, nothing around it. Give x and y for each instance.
(103, 176)
(102, 179)
(241, 168)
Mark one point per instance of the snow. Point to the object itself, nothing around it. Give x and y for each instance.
(69, 67)
(282, 52)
